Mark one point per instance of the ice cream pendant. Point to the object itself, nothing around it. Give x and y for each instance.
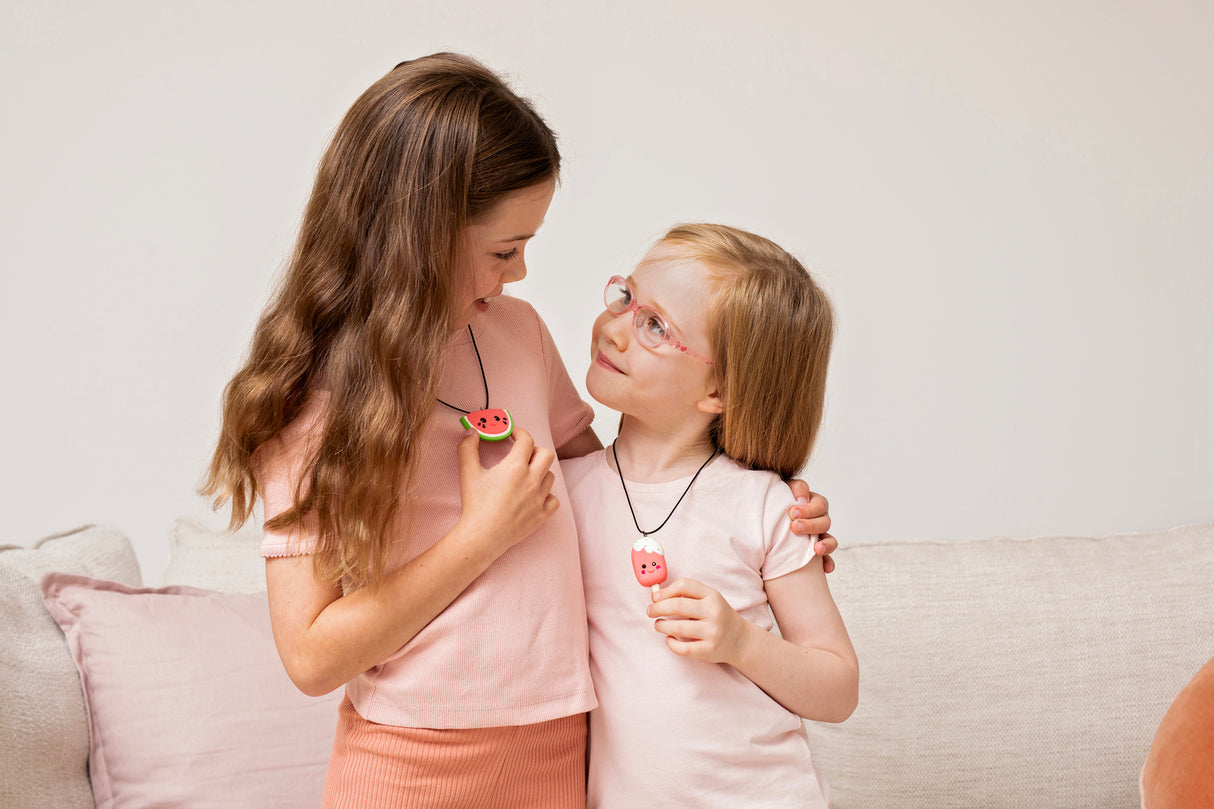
(648, 556)
(649, 563)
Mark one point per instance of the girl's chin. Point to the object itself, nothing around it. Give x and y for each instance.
(598, 390)
(468, 314)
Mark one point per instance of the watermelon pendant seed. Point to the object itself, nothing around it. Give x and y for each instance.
(492, 425)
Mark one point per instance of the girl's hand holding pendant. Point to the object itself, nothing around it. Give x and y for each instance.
(505, 504)
(698, 622)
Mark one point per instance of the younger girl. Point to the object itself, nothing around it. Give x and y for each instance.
(435, 575)
(715, 350)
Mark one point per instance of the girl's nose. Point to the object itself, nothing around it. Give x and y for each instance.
(517, 271)
(617, 328)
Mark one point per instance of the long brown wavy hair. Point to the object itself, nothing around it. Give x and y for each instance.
(771, 326)
(365, 306)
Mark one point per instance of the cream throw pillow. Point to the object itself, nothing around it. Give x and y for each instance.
(44, 740)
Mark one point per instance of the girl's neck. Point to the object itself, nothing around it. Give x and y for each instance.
(650, 455)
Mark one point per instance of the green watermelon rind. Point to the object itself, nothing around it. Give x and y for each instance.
(490, 436)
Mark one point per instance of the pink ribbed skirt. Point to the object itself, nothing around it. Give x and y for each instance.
(381, 766)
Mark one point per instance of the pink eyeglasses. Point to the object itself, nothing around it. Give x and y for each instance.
(651, 329)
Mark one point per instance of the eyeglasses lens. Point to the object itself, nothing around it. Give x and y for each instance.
(617, 296)
(648, 325)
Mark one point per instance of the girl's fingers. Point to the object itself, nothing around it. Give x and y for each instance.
(800, 490)
(468, 451)
(524, 444)
(684, 587)
(685, 648)
(688, 630)
(810, 515)
(541, 460)
(678, 605)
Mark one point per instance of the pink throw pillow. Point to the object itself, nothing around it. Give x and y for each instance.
(187, 701)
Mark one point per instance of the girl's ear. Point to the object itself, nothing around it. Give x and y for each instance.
(711, 403)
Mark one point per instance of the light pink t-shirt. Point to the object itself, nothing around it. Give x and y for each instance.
(672, 731)
(512, 648)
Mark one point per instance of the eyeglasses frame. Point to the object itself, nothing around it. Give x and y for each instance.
(636, 308)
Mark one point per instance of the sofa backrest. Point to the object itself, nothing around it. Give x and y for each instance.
(1014, 672)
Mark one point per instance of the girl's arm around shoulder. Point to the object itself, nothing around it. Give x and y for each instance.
(811, 518)
(811, 670)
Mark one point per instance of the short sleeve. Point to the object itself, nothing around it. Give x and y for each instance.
(568, 414)
(281, 464)
(786, 552)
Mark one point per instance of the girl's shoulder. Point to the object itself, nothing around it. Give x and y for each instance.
(728, 474)
(512, 324)
(514, 314)
(576, 470)
(297, 440)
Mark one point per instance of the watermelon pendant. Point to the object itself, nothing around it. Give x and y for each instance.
(491, 425)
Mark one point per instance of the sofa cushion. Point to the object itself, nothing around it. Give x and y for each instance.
(229, 562)
(1014, 672)
(187, 701)
(44, 741)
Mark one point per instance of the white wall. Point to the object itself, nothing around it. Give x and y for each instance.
(1012, 203)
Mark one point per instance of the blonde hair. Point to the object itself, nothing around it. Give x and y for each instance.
(366, 304)
(771, 327)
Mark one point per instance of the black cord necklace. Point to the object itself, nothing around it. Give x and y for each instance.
(648, 556)
(492, 424)
(484, 381)
(618, 471)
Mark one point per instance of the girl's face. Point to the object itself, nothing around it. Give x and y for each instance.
(491, 249)
(663, 383)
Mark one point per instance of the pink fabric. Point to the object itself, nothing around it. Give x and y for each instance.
(672, 731)
(511, 649)
(187, 702)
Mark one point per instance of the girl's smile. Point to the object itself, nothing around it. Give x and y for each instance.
(606, 363)
(491, 250)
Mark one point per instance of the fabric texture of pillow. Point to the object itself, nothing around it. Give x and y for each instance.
(187, 701)
(44, 738)
(1179, 771)
(229, 562)
(1013, 672)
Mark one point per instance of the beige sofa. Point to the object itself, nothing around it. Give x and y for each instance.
(994, 673)
(1014, 672)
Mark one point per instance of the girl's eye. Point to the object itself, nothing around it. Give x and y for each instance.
(507, 256)
(618, 299)
(654, 326)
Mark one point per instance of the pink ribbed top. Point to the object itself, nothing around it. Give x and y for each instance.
(512, 648)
